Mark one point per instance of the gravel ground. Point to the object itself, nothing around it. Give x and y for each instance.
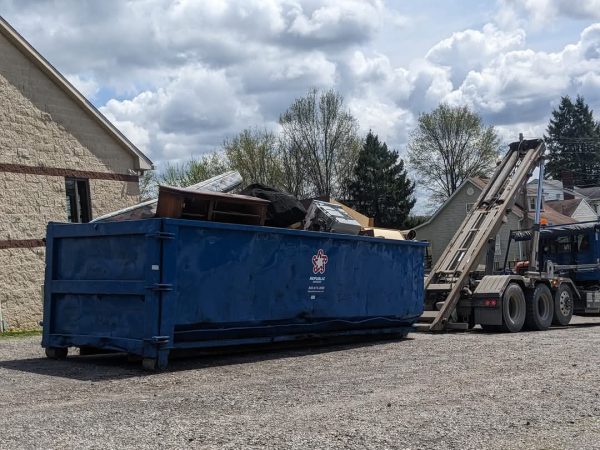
(468, 390)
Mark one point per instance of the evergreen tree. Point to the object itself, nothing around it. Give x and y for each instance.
(380, 187)
(573, 142)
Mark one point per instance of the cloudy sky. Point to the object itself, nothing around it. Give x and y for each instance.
(178, 77)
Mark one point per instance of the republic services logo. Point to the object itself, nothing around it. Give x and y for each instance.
(319, 260)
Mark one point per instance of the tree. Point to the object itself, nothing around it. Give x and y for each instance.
(254, 154)
(415, 221)
(319, 144)
(380, 187)
(193, 171)
(573, 142)
(147, 183)
(450, 145)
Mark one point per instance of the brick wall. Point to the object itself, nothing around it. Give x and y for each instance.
(40, 126)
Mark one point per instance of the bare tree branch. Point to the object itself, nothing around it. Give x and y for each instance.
(449, 145)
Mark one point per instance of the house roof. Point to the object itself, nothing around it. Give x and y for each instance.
(553, 217)
(143, 162)
(592, 193)
(558, 184)
(566, 207)
(480, 182)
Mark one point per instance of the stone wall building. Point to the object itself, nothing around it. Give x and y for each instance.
(60, 160)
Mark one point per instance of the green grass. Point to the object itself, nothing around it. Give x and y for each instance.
(18, 334)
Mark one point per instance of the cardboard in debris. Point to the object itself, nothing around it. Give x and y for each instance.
(385, 233)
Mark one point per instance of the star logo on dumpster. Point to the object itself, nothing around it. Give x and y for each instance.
(319, 260)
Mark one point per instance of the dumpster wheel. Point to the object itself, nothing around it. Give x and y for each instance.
(153, 365)
(57, 352)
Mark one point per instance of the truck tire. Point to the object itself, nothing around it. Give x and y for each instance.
(540, 308)
(563, 305)
(513, 308)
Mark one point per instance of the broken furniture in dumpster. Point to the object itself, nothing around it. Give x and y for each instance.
(151, 286)
(225, 182)
(179, 203)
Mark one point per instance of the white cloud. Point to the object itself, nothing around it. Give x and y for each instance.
(354, 20)
(543, 12)
(179, 77)
(520, 85)
(178, 117)
(87, 86)
(469, 50)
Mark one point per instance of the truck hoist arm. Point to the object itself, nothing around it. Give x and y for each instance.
(450, 275)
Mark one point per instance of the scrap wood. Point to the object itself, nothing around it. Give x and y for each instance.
(213, 206)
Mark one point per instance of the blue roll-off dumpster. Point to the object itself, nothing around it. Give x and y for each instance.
(147, 287)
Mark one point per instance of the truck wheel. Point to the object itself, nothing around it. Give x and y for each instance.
(563, 305)
(540, 308)
(513, 308)
(57, 352)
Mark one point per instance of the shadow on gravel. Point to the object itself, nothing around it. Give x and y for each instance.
(552, 328)
(116, 366)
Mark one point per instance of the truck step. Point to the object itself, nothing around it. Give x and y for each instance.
(457, 326)
(421, 327)
(439, 287)
(425, 327)
(427, 317)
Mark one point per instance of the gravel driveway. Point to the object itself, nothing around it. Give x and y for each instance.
(467, 390)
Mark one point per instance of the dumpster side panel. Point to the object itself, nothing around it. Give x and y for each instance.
(235, 282)
(149, 286)
(99, 284)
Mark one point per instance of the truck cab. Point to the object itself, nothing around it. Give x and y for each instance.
(573, 252)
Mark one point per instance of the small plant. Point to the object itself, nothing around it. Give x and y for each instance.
(20, 333)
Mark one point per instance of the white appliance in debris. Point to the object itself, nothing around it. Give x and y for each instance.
(323, 216)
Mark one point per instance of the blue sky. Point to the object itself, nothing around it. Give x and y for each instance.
(179, 77)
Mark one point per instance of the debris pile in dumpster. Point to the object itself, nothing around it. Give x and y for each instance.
(178, 203)
(256, 204)
(226, 182)
(284, 209)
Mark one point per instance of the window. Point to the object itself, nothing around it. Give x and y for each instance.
(532, 203)
(583, 243)
(469, 207)
(428, 256)
(78, 200)
(562, 244)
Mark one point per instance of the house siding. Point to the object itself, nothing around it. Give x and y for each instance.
(584, 212)
(513, 222)
(41, 127)
(441, 229)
